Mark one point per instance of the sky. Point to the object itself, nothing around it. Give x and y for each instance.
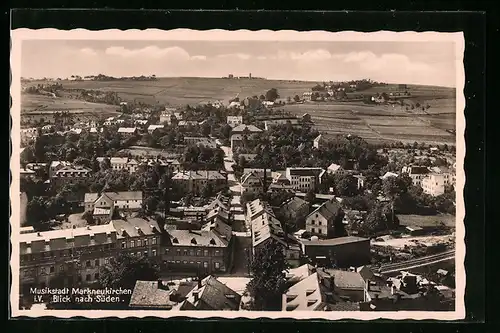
(428, 63)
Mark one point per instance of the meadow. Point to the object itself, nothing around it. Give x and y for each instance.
(36, 107)
(376, 123)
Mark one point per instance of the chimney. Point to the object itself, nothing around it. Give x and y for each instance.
(196, 295)
(161, 285)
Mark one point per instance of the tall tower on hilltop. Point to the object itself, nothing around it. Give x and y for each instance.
(250, 75)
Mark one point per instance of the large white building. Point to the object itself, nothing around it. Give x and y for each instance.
(121, 163)
(434, 184)
(305, 179)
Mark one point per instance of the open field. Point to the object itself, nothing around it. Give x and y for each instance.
(182, 91)
(378, 123)
(427, 221)
(374, 123)
(36, 107)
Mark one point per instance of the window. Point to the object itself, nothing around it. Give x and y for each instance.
(61, 268)
(145, 253)
(185, 252)
(96, 276)
(205, 264)
(96, 263)
(205, 253)
(313, 222)
(185, 262)
(87, 264)
(191, 252)
(132, 244)
(198, 253)
(52, 269)
(154, 253)
(123, 245)
(87, 277)
(167, 251)
(106, 261)
(216, 265)
(178, 252)
(313, 230)
(153, 241)
(146, 242)
(216, 252)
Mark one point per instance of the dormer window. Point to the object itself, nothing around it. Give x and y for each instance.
(193, 241)
(175, 241)
(311, 302)
(212, 242)
(309, 292)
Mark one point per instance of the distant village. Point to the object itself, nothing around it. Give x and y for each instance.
(205, 195)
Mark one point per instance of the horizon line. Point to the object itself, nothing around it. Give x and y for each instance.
(244, 77)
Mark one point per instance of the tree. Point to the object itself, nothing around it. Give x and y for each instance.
(347, 186)
(310, 197)
(87, 216)
(288, 99)
(375, 221)
(124, 270)
(296, 98)
(207, 190)
(268, 277)
(272, 95)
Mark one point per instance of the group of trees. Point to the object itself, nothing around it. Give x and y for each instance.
(202, 158)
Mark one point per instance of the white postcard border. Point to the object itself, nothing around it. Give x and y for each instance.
(18, 35)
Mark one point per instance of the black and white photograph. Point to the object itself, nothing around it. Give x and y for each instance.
(238, 174)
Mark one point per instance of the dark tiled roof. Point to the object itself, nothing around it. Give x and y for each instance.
(328, 210)
(148, 294)
(214, 295)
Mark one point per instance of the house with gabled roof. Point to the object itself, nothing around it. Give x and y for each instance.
(251, 183)
(196, 252)
(121, 163)
(325, 219)
(212, 295)
(318, 142)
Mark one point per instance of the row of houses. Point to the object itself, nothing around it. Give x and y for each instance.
(76, 255)
(432, 180)
(361, 289)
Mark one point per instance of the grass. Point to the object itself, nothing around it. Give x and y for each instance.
(427, 221)
(379, 123)
(36, 107)
(373, 123)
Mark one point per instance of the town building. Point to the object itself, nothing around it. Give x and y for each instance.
(434, 184)
(307, 96)
(321, 291)
(65, 257)
(28, 135)
(170, 165)
(152, 128)
(268, 124)
(405, 292)
(234, 121)
(360, 181)
(294, 209)
(139, 237)
(251, 183)
(325, 219)
(241, 133)
(200, 141)
(335, 169)
(127, 131)
(194, 181)
(149, 295)
(342, 252)
(318, 142)
(102, 206)
(187, 123)
(265, 227)
(196, 252)
(305, 179)
(416, 173)
(70, 174)
(212, 295)
(121, 163)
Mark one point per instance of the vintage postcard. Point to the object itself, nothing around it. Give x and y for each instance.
(237, 174)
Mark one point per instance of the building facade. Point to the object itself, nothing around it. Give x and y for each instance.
(434, 184)
(324, 220)
(194, 181)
